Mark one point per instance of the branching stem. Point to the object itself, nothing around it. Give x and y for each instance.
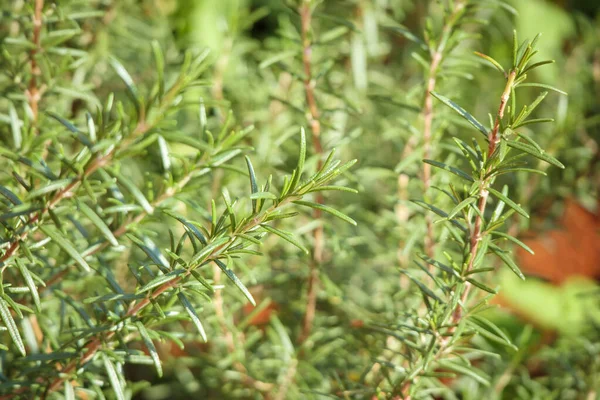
(97, 342)
(437, 56)
(494, 138)
(475, 234)
(94, 164)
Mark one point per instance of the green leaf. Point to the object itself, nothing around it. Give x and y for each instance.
(10, 324)
(514, 240)
(500, 206)
(481, 286)
(188, 226)
(263, 195)
(178, 137)
(502, 171)
(439, 212)
(531, 142)
(438, 264)
(15, 126)
(163, 147)
(460, 206)
(515, 48)
(288, 237)
(533, 121)
(469, 153)
(450, 169)
(507, 260)
(480, 270)
(536, 65)
(64, 122)
(10, 195)
(160, 280)
(22, 209)
(402, 30)
(152, 252)
(69, 392)
(236, 281)
(80, 136)
(333, 188)
(280, 56)
(543, 86)
(529, 149)
(192, 313)
(527, 110)
(136, 193)
(326, 209)
(112, 297)
(113, 377)
(159, 61)
(51, 187)
(228, 205)
(489, 324)
(466, 350)
(508, 202)
(422, 287)
(64, 244)
(124, 75)
(208, 250)
(99, 223)
(91, 127)
(301, 159)
(30, 284)
(462, 112)
(203, 281)
(491, 336)
(150, 346)
(489, 59)
(253, 184)
(474, 373)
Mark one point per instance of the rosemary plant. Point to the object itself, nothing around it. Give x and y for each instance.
(434, 342)
(73, 216)
(176, 221)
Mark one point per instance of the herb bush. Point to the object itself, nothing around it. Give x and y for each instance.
(289, 200)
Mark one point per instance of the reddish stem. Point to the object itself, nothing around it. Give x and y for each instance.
(428, 114)
(476, 233)
(33, 91)
(315, 126)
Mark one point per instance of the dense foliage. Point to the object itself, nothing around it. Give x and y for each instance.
(294, 199)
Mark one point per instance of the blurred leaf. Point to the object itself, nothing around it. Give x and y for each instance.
(192, 313)
(64, 244)
(10, 324)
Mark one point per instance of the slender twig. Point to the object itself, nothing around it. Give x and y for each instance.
(437, 56)
(287, 380)
(315, 126)
(494, 138)
(219, 73)
(34, 93)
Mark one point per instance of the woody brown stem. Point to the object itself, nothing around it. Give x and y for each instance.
(494, 138)
(428, 114)
(34, 93)
(315, 127)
